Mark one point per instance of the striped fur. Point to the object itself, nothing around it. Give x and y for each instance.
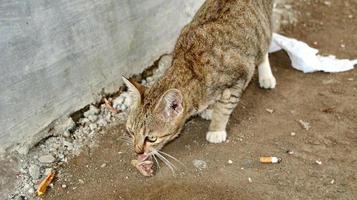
(213, 62)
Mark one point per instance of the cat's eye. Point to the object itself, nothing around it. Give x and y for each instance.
(151, 138)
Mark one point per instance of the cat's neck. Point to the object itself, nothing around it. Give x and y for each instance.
(180, 77)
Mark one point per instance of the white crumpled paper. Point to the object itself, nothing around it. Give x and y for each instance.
(305, 58)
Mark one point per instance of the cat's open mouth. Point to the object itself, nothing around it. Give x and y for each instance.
(144, 164)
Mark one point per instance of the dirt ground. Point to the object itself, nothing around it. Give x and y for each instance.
(327, 101)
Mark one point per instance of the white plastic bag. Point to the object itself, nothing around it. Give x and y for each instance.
(305, 58)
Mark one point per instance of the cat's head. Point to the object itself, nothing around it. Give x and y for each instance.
(153, 121)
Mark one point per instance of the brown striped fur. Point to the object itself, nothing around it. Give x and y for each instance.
(213, 61)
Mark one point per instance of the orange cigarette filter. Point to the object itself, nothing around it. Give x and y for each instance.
(45, 183)
(270, 160)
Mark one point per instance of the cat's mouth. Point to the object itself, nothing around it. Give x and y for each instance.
(144, 164)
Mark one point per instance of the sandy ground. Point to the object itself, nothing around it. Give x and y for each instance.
(327, 101)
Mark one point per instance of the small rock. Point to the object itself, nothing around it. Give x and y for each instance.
(118, 101)
(327, 3)
(68, 145)
(92, 111)
(292, 133)
(103, 165)
(230, 161)
(199, 164)
(31, 191)
(318, 162)
(123, 107)
(80, 181)
(305, 125)
(250, 179)
(92, 118)
(332, 181)
(269, 110)
(66, 134)
(47, 171)
(101, 122)
(46, 159)
(34, 171)
(93, 126)
(27, 186)
(64, 186)
(149, 79)
(83, 121)
(290, 152)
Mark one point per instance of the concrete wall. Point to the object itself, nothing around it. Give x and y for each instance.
(57, 56)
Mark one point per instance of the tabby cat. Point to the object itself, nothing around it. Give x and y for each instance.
(213, 62)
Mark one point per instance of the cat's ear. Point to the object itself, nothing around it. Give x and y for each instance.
(170, 105)
(136, 90)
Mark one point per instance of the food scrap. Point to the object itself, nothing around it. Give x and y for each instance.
(45, 183)
(144, 165)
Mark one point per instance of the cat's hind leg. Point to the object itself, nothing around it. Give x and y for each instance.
(221, 112)
(266, 78)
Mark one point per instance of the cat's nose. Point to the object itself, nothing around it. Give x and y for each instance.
(139, 149)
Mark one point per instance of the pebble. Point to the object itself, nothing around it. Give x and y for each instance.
(46, 159)
(199, 164)
(31, 191)
(47, 171)
(101, 122)
(68, 145)
(93, 126)
(305, 125)
(80, 181)
(66, 134)
(269, 110)
(118, 101)
(123, 107)
(250, 179)
(64, 186)
(103, 165)
(292, 133)
(318, 162)
(230, 161)
(290, 152)
(34, 171)
(92, 111)
(92, 118)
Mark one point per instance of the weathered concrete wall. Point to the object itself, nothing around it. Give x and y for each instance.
(57, 56)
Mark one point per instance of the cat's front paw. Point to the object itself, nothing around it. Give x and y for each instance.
(216, 136)
(267, 82)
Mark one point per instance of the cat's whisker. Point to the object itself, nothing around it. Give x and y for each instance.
(157, 162)
(177, 160)
(168, 163)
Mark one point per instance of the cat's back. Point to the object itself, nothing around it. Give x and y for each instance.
(239, 24)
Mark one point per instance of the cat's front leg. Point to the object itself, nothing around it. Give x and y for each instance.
(266, 77)
(221, 112)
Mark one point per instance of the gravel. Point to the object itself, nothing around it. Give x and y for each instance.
(34, 171)
(199, 164)
(46, 159)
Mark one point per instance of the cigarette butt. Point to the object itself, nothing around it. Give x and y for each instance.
(270, 160)
(44, 184)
